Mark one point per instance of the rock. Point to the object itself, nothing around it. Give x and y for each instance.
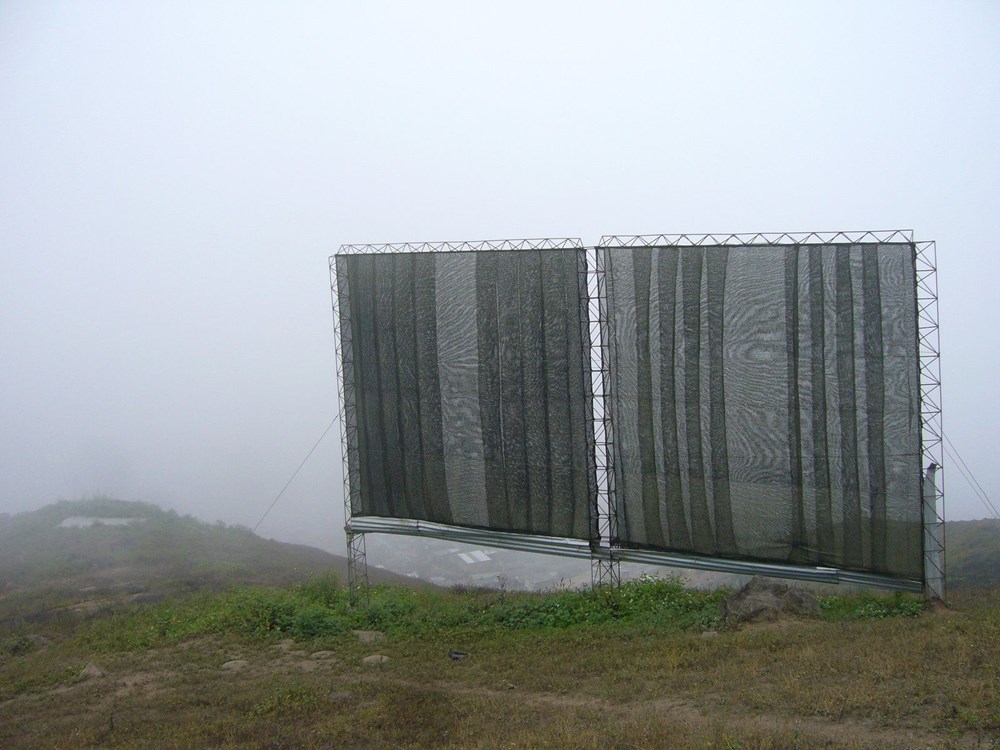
(133, 587)
(375, 660)
(801, 602)
(322, 654)
(235, 665)
(91, 670)
(369, 636)
(38, 640)
(457, 655)
(339, 695)
(285, 645)
(762, 600)
(710, 634)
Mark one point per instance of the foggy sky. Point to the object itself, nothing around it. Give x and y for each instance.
(173, 177)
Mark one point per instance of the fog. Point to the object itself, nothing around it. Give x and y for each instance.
(173, 177)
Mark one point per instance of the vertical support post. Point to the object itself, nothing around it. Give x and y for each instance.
(605, 568)
(931, 431)
(357, 561)
(933, 538)
(357, 567)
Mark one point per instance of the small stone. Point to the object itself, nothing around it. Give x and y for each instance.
(369, 636)
(91, 670)
(235, 665)
(375, 660)
(322, 654)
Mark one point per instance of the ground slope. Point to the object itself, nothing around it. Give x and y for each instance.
(45, 566)
(972, 551)
(646, 666)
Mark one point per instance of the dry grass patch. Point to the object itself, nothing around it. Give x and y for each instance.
(646, 676)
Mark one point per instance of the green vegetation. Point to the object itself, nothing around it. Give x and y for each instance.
(320, 608)
(870, 606)
(240, 651)
(647, 665)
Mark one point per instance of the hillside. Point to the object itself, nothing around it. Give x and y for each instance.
(648, 665)
(651, 664)
(140, 552)
(973, 555)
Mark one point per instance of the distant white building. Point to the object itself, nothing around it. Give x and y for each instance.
(83, 522)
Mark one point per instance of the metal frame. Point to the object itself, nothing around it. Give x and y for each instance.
(549, 545)
(605, 568)
(932, 495)
(357, 564)
(932, 447)
(356, 527)
(604, 551)
(540, 243)
(756, 238)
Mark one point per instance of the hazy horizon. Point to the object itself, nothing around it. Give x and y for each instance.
(176, 175)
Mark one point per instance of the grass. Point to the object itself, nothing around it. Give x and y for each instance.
(646, 665)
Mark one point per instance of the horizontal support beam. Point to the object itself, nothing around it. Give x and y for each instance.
(771, 570)
(546, 545)
(581, 549)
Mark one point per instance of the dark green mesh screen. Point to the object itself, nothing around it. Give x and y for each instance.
(467, 388)
(766, 404)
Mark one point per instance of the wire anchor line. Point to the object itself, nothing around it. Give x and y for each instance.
(290, 479)
(966, 472)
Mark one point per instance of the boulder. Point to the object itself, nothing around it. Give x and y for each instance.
(764, 600)
(375, 660)
(235, 665)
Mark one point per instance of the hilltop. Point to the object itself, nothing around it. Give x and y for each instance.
(134, 551)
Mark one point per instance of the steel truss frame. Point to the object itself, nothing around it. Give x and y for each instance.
(605, 567)
(604, 550)
(931, 432)
(355, 527)
(931, 484)
(757, 238)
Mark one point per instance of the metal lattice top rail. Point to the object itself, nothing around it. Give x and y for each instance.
(541, 243)
(756, 238)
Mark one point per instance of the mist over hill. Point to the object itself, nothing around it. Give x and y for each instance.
(102, 550)
(972, 551)
(101, 546)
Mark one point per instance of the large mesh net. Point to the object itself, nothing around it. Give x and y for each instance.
(466, 388)
(765, 403)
